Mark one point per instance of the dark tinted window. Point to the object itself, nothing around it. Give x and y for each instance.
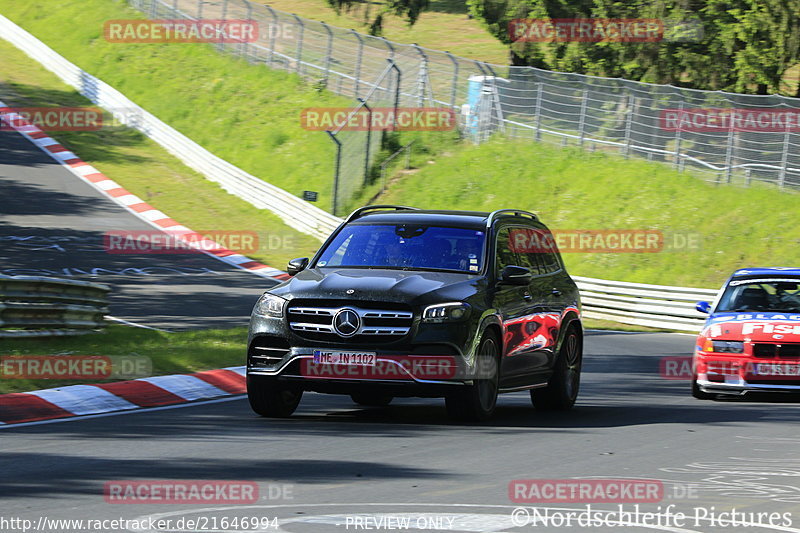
(536, 249)
(503, 254)
(412, 246)
(768, 294)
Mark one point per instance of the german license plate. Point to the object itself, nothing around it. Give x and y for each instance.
(334, 357)
(777, 369)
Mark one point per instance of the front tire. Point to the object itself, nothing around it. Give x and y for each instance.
(699, 394)
(268, 398)
(478, 401)
(562, 389)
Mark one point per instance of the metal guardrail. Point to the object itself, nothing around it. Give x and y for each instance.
(35, 306)
(656, 306)
(294, 211)
(524, 102)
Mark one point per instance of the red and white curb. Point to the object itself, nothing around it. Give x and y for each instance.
(131, 202)
(158, 391)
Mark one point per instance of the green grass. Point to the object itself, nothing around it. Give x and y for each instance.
(146, 169)
(170, 353)
(569, 188)
(575, 189)
(444, 26)
(246, 114)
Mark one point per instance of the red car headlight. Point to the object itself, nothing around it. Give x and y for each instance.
(723, 346)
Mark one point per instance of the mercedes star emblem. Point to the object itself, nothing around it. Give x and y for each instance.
(346, 322)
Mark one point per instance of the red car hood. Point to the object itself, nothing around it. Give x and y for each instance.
(755, 331)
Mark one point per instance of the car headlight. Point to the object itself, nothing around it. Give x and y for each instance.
(269, 305)
(447, 312)
(724, 346)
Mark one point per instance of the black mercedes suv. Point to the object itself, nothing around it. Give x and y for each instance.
(403, 302)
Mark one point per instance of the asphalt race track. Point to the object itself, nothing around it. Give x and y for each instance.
(337, 467)
(52, 224)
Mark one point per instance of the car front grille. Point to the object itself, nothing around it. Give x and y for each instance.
(776, 350)
(375, 323)
(267, 351)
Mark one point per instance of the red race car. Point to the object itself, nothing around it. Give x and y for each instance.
(751, 340)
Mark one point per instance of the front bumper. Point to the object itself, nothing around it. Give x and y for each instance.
(431, 357)
(740, 375)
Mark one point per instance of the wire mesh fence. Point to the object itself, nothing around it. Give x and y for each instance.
(729, 137)
(357, 148)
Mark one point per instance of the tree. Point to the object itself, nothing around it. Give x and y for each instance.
(744, 45)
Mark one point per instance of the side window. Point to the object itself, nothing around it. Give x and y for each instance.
(536, 249)
(530, 259)
(504, 256)
(550, 262)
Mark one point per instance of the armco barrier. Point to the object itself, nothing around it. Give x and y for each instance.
(34, 306)
(657, 306)
(299, 214)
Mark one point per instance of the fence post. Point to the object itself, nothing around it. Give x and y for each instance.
(369, 138)
(359, 57)
(175, 8)
(335, 197)
(423, 74)
(299, 55)
(784, 155)
(154, 9)
(245, 44)
(582, 120)
(628, 126)
(454, 87)
(398, 79)
(273, 33)
(678, 139)
(729, 155)
(328, 52)
(499, 108)
(221, 44)
(200, 9)
(538, 111)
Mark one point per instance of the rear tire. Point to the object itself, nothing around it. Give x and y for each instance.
(478, 401)
(368, 399)
(562, 389)
(268, 398)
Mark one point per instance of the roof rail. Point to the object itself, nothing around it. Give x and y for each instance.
(361, 210)
(512, 212)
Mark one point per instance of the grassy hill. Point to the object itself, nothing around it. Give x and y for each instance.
(249, 115)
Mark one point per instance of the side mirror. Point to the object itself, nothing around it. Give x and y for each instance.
(703, 307)
(297, 265)
(515, 275)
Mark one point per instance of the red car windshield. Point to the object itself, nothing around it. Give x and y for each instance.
(777, 295)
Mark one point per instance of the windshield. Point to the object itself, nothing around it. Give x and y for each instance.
(779, 295)
(405, 246)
